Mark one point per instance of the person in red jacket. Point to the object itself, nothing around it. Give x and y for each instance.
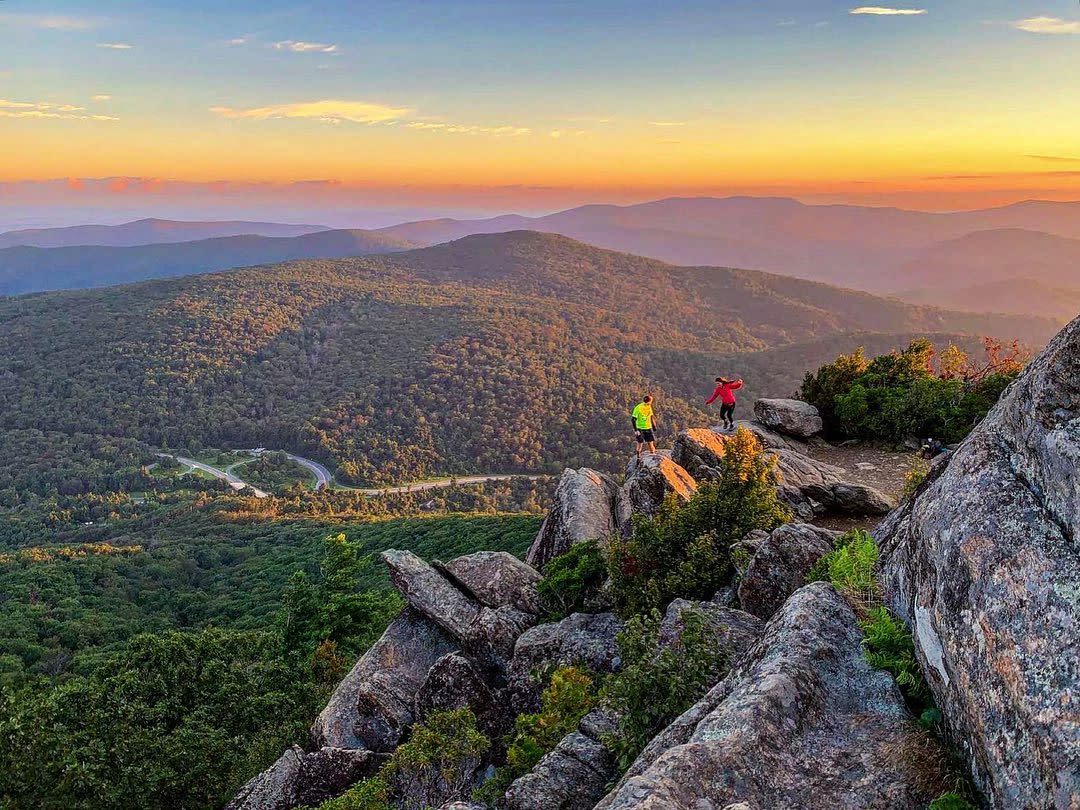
(725, 392)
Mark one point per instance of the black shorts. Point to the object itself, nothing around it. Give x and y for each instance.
(645, 436)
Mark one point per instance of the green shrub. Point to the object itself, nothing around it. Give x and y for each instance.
(849, 567)
(901, 394)
(889, 646)
(655, 685)
(683, 551)
(371, 794)
(568, 698)
(571, 579)
(439, 761)
(951, 801)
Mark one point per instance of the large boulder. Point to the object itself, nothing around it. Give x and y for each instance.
(300, 779)
(372, 706)
(697, 449)
(791, 416)
(984, 564)
(779, 565)
(650, 478)
(455, 682)
(572, 776)
(734, 629)
(583, 509)
(581, 639)
(811, 487)
(495, 579)
(485, 632)
(801, 721)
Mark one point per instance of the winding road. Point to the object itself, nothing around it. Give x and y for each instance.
(324, 478)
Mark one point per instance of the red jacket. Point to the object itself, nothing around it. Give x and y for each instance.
(725, 393)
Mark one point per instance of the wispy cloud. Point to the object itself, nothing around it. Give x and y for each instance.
(668, 123)
(48, 110)
(468, 129)
(886, 11)
(239, 40)
(102, 97)
(56, 22)
(566, 133)
(331, 111)
(1054, 158)
(116, 46)
(297, 46)
(1047, 25)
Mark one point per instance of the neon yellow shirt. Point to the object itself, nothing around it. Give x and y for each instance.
(643, 416)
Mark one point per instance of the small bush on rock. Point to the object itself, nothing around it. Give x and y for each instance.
(683, 551)
(849, 567)
(371, 794)
(439, 761)
(568, 697)
(656, 685)
(572, 579)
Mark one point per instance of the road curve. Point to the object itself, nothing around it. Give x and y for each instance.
(233, 480)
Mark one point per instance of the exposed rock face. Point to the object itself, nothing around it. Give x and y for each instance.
(984, 565)
(372, 706)
(583, 509)
(483, 631)
(698, 448)
(770, 439)
(585, 639)
(813, 487)
(791, 416)
(801, 721)
(650, 478)
(570, 777)
(779, 566)
(454, 682)
(735, 630)
(299, 778)
(496, 579)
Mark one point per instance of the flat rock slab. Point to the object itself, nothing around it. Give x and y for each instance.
(801, 721)
(984, 565)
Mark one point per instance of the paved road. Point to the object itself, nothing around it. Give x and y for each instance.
(323, 476)
(233, 481)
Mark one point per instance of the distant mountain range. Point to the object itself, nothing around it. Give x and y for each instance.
(946, 258)
(33, 269)
(146, 232)
(503, 352)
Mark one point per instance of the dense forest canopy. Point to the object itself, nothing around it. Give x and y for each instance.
(510, 352)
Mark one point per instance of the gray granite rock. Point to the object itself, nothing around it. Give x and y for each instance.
(789, 416)
(779, 565)
(300, 779)
(495, 579)
(584, 508)
(984, 564)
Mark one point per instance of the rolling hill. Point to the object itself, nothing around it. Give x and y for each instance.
(850, 245)
(507, 352)
(146, 232)
(32, 269)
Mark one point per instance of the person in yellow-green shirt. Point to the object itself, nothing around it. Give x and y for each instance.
(644, 423)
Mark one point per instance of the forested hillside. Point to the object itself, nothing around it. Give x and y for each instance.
(512, 352)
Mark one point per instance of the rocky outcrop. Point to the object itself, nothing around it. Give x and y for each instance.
(495, 579)
(697, 449)
(811, 487)
(584, 508)
(779, 565)
(790, 416)
(581, 639)
(372, 706)
(801, 721)
(650, 478)
(455, 682)
(299, 778)
(770, 439)
(984, 565)
(735, 630)
(572, 776)
(485, 632)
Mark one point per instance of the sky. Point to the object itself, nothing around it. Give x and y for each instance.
(363, 113)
